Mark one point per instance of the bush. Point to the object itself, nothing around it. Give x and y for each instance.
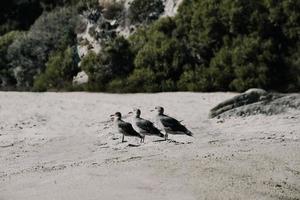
(52, 32)
(18, 15)
(119, 55)
(210, 45)
(97, 70)
(112, 9)
(60, 70)
(145, 11)
(117, 86)
(83, 5)
(236, 45)
(114, 61)
(187, 81)
(21, 14)
(220, 71)
(164, 54)
(293, 81)
(197, 79)
(6, 74)
(143, 80)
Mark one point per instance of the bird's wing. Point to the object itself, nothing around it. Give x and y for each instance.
(149, 127)
(128, 129)
(170, 122)
(174, 125)
(144, 124)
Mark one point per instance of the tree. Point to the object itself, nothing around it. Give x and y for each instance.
(99, 73)
(162, 53)
(114, 61)
(60, 70)
(6, 74)
(142, 80)
(52, 32)
(145, 11)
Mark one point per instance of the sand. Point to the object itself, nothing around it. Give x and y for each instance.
(62, 146)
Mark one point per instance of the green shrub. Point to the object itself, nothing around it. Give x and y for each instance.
(145, 11)
(210, 45)
(293, 81)
(162, 53)
(119, 56)
(97, 70)
(143, 80)
(18, 15)
(114, 61)
(117, 86)
(220, 70)
(188, 81)
(60, 70)
(6, 74)
(198, 79)
(252, 61)
(112, 9)
(52, 32)
(82, 5)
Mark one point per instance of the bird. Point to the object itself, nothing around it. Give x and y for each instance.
(144, 126)
(170, 125)
(126, 128)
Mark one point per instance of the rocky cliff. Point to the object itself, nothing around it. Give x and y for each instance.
(101, 24)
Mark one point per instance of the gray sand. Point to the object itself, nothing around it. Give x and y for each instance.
(61, 146)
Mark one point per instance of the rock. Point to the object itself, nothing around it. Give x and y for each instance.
(171, 7)
(81, 78)
(96, 28)
(256, 91)
(248, 97)
(255, 101)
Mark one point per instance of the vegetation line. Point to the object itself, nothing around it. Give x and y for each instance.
(209, 45)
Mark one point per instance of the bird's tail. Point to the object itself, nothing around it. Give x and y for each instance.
(189, 133)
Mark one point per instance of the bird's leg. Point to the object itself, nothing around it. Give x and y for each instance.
(123, 138)
(143, 139)
(166, 135)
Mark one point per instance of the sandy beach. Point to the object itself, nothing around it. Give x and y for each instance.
(61, 146)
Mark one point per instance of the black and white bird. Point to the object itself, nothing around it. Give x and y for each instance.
(144, 126)
(170, 125)
(126, 128)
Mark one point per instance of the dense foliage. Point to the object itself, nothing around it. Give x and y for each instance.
(210, 45)
(145, 11)
(21, 14)
(60, 70)
(6, 73)
(223, 45)
(115, 61)
(28, 55)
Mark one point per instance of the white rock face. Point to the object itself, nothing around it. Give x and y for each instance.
(81, 78)
(91, 43)
(123, 28)
(171, 7)
(120, 26)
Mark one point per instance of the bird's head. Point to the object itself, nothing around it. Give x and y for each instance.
(136, 112)
(117, 115)
(159, 110)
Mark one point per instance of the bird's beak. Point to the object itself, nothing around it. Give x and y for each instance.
(112, 115)
(151, 110)
(130, 113)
